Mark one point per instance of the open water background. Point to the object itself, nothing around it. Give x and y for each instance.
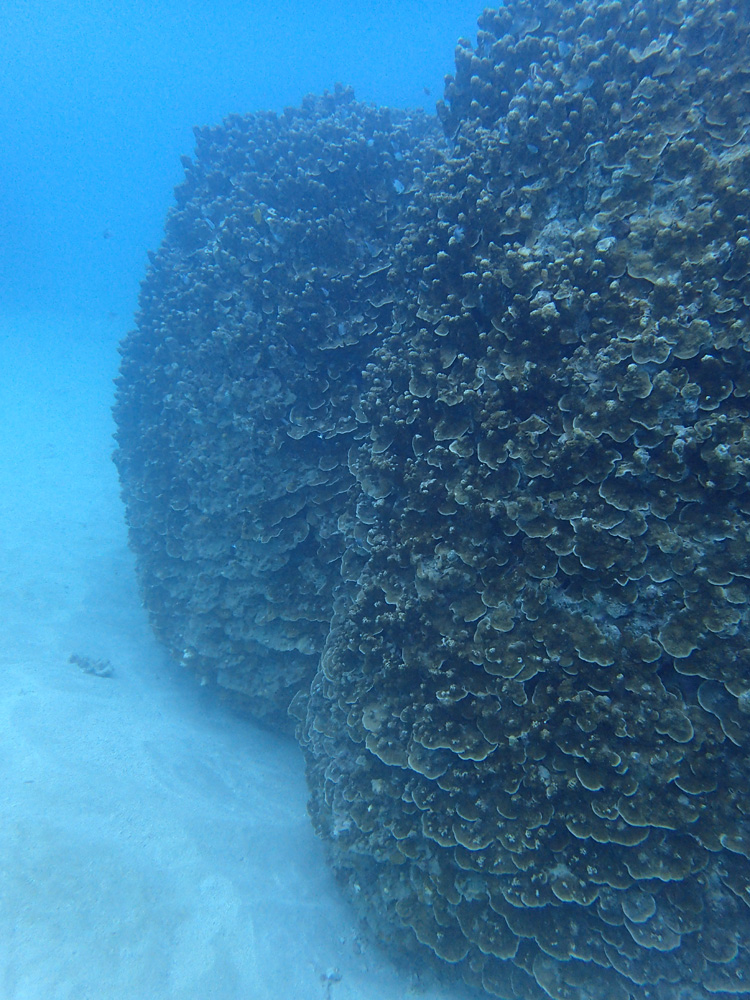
(98, 99)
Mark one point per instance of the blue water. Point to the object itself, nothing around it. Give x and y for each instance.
(98, 99)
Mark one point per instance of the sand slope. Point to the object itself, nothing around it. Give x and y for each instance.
(152, 844)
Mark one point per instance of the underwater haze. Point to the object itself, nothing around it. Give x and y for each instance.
(153, 844)
(99, 100)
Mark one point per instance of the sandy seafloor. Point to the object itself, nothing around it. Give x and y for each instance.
(152, 843)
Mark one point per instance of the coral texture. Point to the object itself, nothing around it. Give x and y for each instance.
(458, 460)
(238, 392)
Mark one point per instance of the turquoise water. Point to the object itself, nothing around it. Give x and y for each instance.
(99, 100)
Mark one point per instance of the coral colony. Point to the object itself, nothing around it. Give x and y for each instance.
(434, 434)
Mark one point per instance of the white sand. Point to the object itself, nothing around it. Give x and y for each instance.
(152, 844)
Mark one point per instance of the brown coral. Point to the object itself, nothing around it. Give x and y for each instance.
(464, 464)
